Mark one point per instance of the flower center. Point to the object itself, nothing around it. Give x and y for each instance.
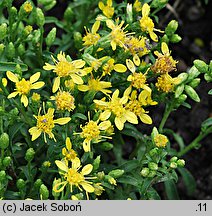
(63, 68)
(90, 131)
(45, 123)
(23, 86)
(135, 107)
(94, 85)
(139, 80)
(64, 101)
(91, 39)
(73, 177)
(116, 107)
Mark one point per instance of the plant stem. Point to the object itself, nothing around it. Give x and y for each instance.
(195, 142)
(166, 114)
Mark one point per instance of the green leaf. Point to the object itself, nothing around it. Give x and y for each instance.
(128, 180)
(188, 180)
(11, 195)
(11, 66)
(152, 194)
(129, 165)
(171, 190)
(79, 115)
(207, 123)
(54, 20)
(14, 129)
(210, 92)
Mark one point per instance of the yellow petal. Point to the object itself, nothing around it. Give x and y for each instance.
(100, 103)
(115, 94)
(101, 5)
(130, 65)
(61, 165)
(13, 94)
(145, 118)
(87, 169)
(35, 132)
(76, 163)
(87, 187)
(104, 125)
(120, 68)
(68, 143)
(24, 100)
(12, 77)
(34, 77)
(76, 79)
(136, 60)
(153, 36)
(37, 85)
(56, 84)
(110, 3)
(87, 146)
(164, 48)
(105, 115)
(57, 187)
(113, 45)
(61, 57)
(78, 63)
(83, 88)
(62, 121)
(124, 100)
(110, 24)
(95, 27)
(119, 123)
(131, 117)
(48, 66)
(50, 112)
(145, 10)
(128, 91)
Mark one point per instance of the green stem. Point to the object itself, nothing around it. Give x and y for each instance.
(195, 142)
(166, 114)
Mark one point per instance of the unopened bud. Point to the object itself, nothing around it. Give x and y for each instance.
(13, 14)
(153, 152)
(192, 93)
(51, 37)
(47, 4)
(1, 48)
(111, 180)
(2, 175)
(30, 154)
(174, 159)
(40, 19)
(158, 3)
(181, 163)
(182, 98)
(195, 82)
(3, 31)
(38, 183)
(193, 73)
(100, 175)
(44, 192)
(69, 14)
(152, 174)
(173, 165)
(21, 49)
(4, 141)
(179, 90)
(96, 163)
(201, 66)
(183, 77)
(10, 51)
(21, 184)
(175, 38)
(171, 27)
(145, 172)
(78, 39)
(153, 166)
(116, 173)
(7, 161)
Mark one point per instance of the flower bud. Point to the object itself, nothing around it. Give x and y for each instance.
(3, 31)
(4, 141)
(106, 146)
(21, 49)
(78, 39)
(13, 14)
(10, 51)
(183, 76)
(111, 180)
(100, 175)
(2, 175)
(44, 192)
(38, 183)
(1, 48)
(25, 9)
(7, 161)
(129, 13)
(14, 112)
(192, 93)
(153, 152)
(171, 27)
(195, 82)
(21, 184)
(18, 70)
(174, 159)
(153, 166)
(69, 14)
(208, 77)
(40, 19)
(47, 4)
(193, 73)
(158, 3)
(182, 98)
(175, 38)
(116, 173)
(201, 66)
(27, 30)
(181, 163)
(51, 37)
(96, 163)
(179, 90)
(161, 140)
(165, 39)
(152, 174)
(30, 153)
(145, 172)
(173, 165)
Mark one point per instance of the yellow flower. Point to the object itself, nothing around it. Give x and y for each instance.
(46, 164)
(4, 83)
(107, 9)
(116, 106)
(137, 46)
(146, 99)
(137, 6)
(146, 23)
(65, 68)
(45, 124)
(69, 84)
(135, 105)
(23, 86)
(96, 85)
(164, 63)
(138, 80)
(35, 97)
(68, 152)
(110, 66)
(117, 35)
(98, 189)
(64, 101)
(166, 83)
(74, 177)
(161, 140)
(27, 7)
(91, 38)
(92, 132)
